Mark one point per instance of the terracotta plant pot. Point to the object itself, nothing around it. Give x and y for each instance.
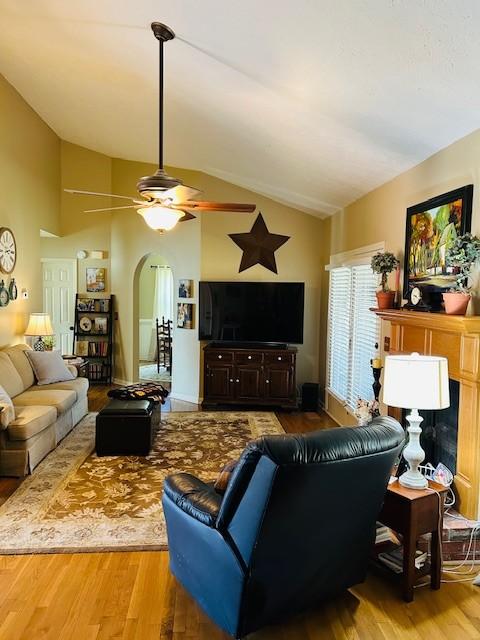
(385, 299)
(456, 302)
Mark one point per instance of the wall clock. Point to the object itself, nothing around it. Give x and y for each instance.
(12, 290)
(4, 297)
(85, 324)
(8, 250)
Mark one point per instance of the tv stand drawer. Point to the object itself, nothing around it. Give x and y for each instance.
(244, 357)
(218, 356)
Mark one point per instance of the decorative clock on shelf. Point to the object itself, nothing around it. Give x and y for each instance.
(4, 297)
(13, 290)
(8, 250)
(85, 324)
(416, 301)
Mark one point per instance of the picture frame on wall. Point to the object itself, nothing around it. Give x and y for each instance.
(95, 279)
(185, 315)
(431, 228)
(185, 288)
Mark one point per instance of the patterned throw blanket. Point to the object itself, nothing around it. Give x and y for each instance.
(140, 391)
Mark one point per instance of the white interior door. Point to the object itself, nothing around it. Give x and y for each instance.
(59, 288)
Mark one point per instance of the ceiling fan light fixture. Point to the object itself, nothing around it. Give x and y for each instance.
(154, 186)
(160, 218)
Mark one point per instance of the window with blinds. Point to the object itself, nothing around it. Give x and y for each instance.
(353, 332)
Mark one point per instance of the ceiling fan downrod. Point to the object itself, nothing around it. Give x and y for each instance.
(153, 186)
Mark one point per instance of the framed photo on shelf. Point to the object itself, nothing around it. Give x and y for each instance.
(431, 229)
(95, 278)
(185, 315)
(81, 348)
(185, 288)
(100, 325)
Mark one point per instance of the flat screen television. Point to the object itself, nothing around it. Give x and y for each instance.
(251, 311)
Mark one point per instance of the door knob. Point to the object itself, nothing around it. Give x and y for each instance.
(267, 381)
(220, 357)
(249, 357)
(237, 380)
(231, 379)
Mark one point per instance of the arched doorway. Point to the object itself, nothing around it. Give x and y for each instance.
(155, 320)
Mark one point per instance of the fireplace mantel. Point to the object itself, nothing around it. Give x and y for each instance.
(458, 339)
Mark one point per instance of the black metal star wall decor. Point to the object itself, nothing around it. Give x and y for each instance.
(258, 246)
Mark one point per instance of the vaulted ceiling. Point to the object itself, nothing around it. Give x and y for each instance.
(312, 102)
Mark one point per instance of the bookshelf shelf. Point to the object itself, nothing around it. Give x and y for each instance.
(97, 346)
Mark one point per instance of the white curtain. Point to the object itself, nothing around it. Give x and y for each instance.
(162, 304)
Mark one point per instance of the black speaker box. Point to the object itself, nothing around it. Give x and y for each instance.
(310, 392)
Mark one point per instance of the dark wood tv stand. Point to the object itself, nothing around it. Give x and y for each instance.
(256, 375)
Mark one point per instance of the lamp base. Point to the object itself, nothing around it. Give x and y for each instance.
(39, 345)
(413, 454)
(413, 480)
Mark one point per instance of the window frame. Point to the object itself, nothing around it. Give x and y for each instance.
(349, 259)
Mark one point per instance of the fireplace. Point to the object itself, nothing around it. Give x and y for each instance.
(451, 436)
(440, 431)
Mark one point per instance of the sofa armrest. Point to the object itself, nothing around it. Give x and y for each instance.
(194, 497)
(73, 370)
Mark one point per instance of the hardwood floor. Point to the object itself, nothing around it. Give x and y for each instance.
(132, 596)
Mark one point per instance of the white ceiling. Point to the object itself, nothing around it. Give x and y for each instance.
(312, 102)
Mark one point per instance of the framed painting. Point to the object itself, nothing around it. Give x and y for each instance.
(431, 228)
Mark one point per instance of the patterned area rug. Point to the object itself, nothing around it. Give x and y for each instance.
(75, 501)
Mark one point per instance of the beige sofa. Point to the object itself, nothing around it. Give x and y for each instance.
(43, 414)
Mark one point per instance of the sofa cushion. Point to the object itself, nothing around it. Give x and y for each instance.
(79, 385)
(9, 377)
(18, 356)
(49, 367)
(30, 421)
(61, 399)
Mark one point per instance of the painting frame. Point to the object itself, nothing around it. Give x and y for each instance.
(185, 315)
(185, 288)
(96, 279)
(431, 284)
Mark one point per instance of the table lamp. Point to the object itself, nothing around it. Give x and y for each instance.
(39, 325)
(415, 382)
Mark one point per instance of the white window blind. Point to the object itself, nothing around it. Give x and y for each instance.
(354, 330)
(339, 331)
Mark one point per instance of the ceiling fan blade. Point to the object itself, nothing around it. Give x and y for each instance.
(181, 193)
(128, 206)
(215, 206)
(104, 195)
(187, 216)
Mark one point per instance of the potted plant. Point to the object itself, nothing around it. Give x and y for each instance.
(384, 263)
(461, 255)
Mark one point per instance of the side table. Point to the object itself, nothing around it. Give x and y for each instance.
(413, 513)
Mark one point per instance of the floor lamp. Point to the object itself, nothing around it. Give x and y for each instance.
(415, 382)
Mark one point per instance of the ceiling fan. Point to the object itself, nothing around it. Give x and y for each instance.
(163, 200)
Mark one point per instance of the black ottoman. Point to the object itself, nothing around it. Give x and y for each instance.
(125, 428)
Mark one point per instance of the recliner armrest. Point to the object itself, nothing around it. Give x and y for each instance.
(193, 496)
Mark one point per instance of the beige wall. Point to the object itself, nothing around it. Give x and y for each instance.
(30, 200)
(90, 171)
(381, 214)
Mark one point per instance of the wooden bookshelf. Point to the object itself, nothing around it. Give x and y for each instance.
(93, 335)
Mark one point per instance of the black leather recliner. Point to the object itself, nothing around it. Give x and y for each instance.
(296, 523)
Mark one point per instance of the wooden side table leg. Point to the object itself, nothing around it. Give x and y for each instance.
(409, 550)
(436, 549)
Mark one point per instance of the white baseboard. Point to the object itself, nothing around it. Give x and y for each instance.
(185, 398)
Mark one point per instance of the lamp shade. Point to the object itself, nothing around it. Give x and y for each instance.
(160, 218)
(416, 382)
(39, 325)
